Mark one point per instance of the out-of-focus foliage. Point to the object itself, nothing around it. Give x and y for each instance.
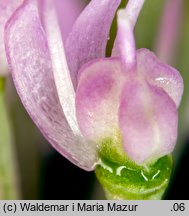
(8, 165)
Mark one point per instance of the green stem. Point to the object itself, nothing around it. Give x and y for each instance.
(8, 187)
(122, 179)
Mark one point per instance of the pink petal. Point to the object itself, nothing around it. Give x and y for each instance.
(148, 122)
(97, 98)
(61, 72)
(29, 57)
(89, 35)
(69, 9)
(67, 12)
(160, 74)
(6, 9)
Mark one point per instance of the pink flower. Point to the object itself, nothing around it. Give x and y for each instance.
(77, 97)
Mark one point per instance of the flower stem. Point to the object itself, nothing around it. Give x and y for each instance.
(8, 187)
(122, 179)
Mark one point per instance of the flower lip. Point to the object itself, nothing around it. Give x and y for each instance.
(142, 109)
(148, 122)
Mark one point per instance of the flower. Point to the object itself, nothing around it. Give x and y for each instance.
(35, 53)
(77, 97)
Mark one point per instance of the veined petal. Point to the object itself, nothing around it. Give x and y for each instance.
(160, 74)
(88, 38)
(97, 98)
(28, 55)
(148, 122)
(61, 72)
(7, 7)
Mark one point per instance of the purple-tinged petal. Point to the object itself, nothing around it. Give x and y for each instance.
(7, 7)
(148, 122)
(29, 57)
(88, 38)
(160, 74)
(61, 72)
(68, 11)
(97, 98)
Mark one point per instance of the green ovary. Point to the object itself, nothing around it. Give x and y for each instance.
(121, 178)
